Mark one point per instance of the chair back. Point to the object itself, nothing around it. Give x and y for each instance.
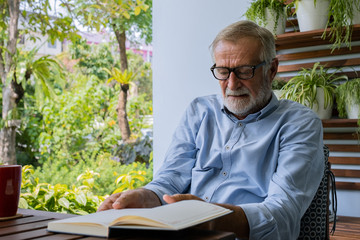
(315, 222)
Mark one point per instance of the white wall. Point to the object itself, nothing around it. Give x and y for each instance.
(43, 43)
(182, 33)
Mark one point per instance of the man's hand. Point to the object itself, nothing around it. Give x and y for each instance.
(234, 222)
(137, 198)
(179, 197)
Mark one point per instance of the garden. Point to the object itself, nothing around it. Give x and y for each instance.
(69, 137)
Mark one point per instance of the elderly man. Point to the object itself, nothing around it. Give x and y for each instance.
(244, 149)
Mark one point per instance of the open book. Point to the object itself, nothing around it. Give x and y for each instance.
(175, 216)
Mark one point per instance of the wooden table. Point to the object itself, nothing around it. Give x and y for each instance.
(33, 225)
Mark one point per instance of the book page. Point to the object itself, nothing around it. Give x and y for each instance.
(171, 216)
(181, 214)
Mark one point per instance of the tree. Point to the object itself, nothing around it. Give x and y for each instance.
(124, 18)
(91, 59)
(10, 12)
(36, 15)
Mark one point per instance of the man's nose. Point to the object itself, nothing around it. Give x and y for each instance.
(234, 82)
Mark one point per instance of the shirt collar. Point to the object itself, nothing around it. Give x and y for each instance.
(267, 110)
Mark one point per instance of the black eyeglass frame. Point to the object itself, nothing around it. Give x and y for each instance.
(233, 70)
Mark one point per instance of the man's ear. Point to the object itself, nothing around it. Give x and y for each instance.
(273, 68)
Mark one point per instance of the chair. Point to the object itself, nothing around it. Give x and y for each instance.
(315, 222)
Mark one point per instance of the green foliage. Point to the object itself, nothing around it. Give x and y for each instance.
(69, 133)
(303, 87)
(143, 78)
(116, 74)
(41, 19)
(83, 190)
(135, 178)
(340, 19)
(256, 11)
(139, 112)
(99, 173)
(81, 119)
(346, 93)
(92, 58)
(131, 16)
(27, 137)
(43, 71)
(138, 151)
(277, 84)
(56, 198)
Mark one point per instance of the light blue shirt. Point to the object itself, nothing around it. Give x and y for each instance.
(270, 164)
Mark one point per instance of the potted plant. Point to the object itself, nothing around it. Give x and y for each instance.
(348, 99)
(277, 85)
(271, 14)
(314, 88)
(312, 14)
(343, 14)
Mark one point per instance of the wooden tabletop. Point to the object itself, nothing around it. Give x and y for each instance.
(33, 225)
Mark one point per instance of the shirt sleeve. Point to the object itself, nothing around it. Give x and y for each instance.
(174, 176)
(293, 184)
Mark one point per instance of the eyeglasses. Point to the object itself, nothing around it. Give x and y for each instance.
(241, 72)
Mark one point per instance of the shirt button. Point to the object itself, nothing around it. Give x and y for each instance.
(227, 147)
(240, 124)
(224, 173)
(206, 198)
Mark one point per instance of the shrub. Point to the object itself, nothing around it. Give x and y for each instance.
(85, 192)
(56, 198)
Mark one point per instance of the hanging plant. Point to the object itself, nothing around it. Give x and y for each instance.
(257, 11)
(347, 94)
(340, 22)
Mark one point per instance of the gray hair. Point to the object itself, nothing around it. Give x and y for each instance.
(243, 29)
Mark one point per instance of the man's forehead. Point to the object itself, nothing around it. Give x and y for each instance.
(249, 48)
(246, 42)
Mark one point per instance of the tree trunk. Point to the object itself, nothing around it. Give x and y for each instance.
(8, 133)
(122, 115)
(121, 107)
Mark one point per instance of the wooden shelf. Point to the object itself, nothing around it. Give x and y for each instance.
(339, 123)
(294, 59)
(343, 58)
(309, 38)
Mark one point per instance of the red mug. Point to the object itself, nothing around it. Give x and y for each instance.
(10, 184)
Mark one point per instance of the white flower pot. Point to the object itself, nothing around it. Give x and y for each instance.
(353, 110)
(271, 20)
(323, 113)
(356, 16)
(312, 17)
(278, 93)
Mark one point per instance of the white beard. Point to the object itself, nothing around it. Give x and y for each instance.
(244, 107)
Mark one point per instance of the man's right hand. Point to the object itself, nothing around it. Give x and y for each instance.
(137, 198)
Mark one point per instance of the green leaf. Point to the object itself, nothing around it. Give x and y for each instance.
(48, 196)
(126, 15)
(23, 203)
(137, 10)
(120, 179)
(81, 199)
(64, 203)
(81, 212)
